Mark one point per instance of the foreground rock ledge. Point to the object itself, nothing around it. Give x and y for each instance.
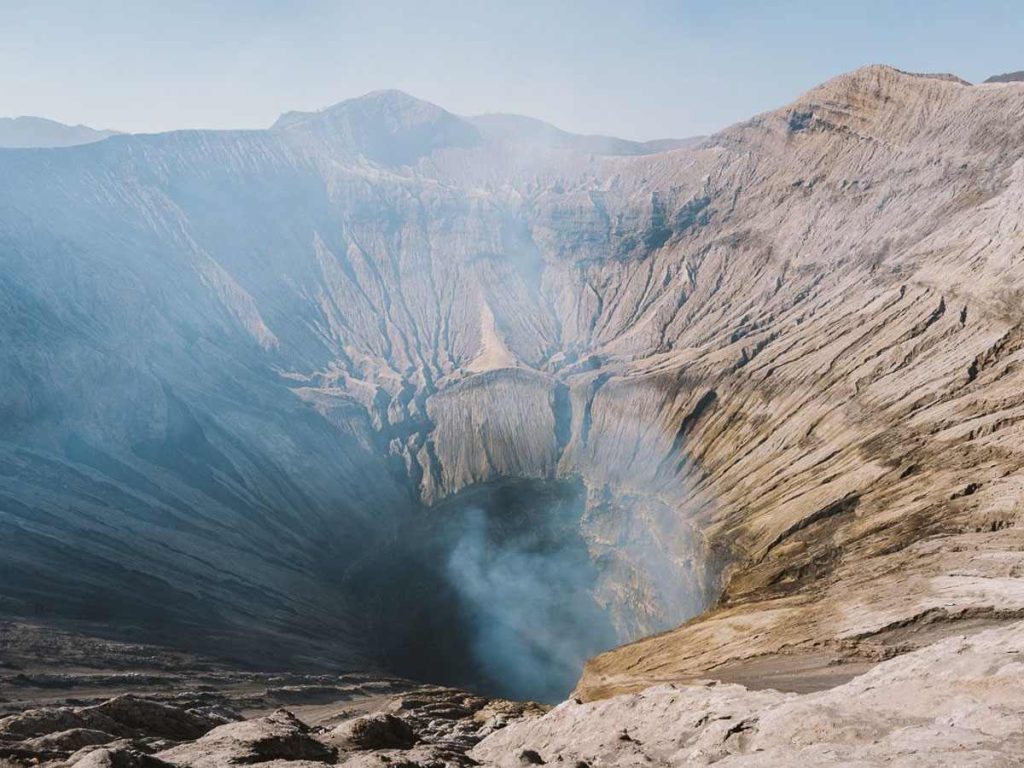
(956, 702)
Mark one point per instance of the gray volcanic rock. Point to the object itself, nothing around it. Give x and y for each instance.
(140, 716)
(956, 702)
(34, 132)
(364, 718)
(125, 725)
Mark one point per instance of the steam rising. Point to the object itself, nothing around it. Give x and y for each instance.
(296, 395)
(528, 604)
(507, 588)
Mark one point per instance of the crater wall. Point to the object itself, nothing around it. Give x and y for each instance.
(781, 364)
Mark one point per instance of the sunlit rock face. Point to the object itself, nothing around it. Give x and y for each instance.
(241, 373)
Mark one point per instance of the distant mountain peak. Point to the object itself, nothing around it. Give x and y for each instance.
(1008, 77)
(389, 127)
(39, 132)
(392, 127)
(504, 127)
(385, 100)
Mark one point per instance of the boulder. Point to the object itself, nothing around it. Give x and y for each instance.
(378, 731)
(279, 736)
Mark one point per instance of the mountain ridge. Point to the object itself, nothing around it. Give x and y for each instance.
(38, 132)
(390, 109)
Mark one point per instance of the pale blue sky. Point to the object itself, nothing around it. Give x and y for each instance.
(638, 69)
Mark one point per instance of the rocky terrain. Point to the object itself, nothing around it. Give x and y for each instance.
(956, 702)
(753, 402)
(426, 727)
(63, 702)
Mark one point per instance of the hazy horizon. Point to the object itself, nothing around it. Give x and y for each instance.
(651, 70)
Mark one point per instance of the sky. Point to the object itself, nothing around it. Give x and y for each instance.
(638, 69)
